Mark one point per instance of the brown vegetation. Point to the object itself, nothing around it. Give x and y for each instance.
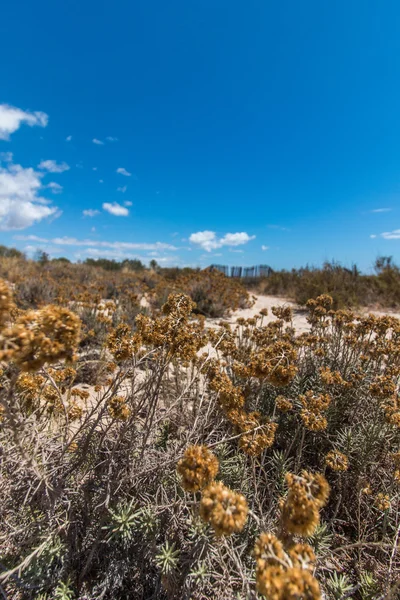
(135, 464)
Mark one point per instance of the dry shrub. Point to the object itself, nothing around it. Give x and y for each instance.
(180, 474)
(348, 287)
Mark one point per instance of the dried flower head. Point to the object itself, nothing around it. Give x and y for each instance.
(6, 303)
(268, 550)
(294, 583)
(39, 337)
(198, 468)
(307, 494)
(224, 509)
(283, 404)
(382, 502)
(118, 408)
(337, 461)
(302, 556)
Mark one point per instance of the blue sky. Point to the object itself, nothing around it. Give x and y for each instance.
(252, 132)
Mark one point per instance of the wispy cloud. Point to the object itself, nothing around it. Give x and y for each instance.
(115, 209)
(208, 240)
(391, 235)
(52, 166)
(6, 157)
(110, 138)
(97, 142)
(278, 227)
(264, 247)
(123, 171)
(122, 189)
(70, 241)
(381, 210)
(127, 203)
(69, 138)
(90, 212)
(11, 119)
(56, 188)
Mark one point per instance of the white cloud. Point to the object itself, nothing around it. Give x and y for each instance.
(6, 157)
(372, 236)
(264, 247)
(98, 142)
(69, 138)
(128, 203)
(391, 235)
(52, 166)
(207, 240)
(381, 210)
(123, 171)
(109, 138)
(69, 241)
(90, 212)
(11, 119)
(122, 189)
(20, 202)
(116, 209)
(56, 188)
(236, 239)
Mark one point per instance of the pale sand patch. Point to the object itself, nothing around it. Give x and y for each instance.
(262, 302)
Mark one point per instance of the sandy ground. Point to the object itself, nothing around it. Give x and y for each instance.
(299, 315)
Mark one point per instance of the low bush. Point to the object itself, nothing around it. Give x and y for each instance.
(268, 465)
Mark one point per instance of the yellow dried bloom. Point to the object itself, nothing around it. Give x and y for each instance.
(275, 362)
(258, 432)
(268, 550)
(78, 393)
(198, 468)
(6, 303)
(43, 336)
(382, 502)
(178, 306)
(118, 409)
(122, 343)
(302, 556)
(224, 509)
(299, 583)
(30, 387)
(317, 486)
(284, 313)
(382, 387)
(283, 404)
(311, 414)
(307, 494)
(396, 458)
(337, 461)
(276, 583)
(74, 411)
(313, 421)
(392, 411)
(329, 377)
(270, 582)
(367, 490)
